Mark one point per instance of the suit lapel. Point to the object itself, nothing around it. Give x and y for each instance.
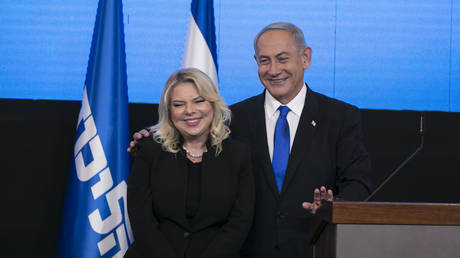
(259, 131)
(207, 167)
(305, 132)
(177, 170)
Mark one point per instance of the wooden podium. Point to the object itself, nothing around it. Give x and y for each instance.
(379, 229)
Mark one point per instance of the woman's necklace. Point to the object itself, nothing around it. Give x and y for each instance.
(195, 156)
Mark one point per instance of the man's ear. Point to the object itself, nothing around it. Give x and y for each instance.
(255, 58)
(306, 57)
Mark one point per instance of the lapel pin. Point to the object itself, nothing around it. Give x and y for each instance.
(313, 123)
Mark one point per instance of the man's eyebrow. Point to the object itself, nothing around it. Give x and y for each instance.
(282, 53)
(277, 55)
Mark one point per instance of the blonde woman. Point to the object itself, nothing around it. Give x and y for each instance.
(191, 188)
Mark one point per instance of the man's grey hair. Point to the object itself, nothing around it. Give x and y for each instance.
(296, 33)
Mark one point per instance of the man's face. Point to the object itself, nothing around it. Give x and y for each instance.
(280, 65)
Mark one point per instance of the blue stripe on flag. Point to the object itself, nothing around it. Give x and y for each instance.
(95, 222)
(203, 13)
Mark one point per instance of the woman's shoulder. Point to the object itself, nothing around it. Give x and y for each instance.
(148, 146)
(237, 155)
(235, 146)
(147, 142)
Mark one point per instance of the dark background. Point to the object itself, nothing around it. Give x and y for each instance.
(37, 140)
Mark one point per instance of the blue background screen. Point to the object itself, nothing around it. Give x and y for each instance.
(374, 54)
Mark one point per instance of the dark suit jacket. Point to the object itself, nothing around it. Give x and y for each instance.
(156, 203)
(328, 150)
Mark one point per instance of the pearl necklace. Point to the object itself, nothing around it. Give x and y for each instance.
(195, 156)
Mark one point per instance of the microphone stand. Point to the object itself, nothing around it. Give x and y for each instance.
(420, 147)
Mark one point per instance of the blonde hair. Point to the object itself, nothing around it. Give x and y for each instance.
(165, 133)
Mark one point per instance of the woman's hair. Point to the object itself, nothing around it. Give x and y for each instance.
(165, 133)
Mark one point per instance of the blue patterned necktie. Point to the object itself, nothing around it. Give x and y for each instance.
(281, 147)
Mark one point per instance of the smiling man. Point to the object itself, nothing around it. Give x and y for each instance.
(307, 147)
(281, 64)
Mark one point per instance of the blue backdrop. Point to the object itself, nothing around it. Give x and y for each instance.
(379, 54)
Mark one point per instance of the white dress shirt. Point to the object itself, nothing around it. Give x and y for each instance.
(272, 113)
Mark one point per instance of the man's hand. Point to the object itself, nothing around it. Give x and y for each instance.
(318, 196)
(136, 137)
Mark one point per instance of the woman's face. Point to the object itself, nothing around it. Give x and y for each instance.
(190, 113)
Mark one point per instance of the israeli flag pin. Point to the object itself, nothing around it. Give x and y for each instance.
(313, 123)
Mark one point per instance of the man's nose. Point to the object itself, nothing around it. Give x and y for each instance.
(274, 69)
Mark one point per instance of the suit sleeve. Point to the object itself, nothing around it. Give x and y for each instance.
(353, 162)
(229, 239)
(149, 240)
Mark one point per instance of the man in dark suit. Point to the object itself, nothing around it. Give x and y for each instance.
(306, 147)
(326, 155)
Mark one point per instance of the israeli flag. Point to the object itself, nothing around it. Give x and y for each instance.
(200, 47)
(95, 219)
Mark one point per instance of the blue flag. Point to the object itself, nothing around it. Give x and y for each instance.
(200, 48)
(95, 221)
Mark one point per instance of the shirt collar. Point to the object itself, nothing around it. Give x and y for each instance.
(295, 105)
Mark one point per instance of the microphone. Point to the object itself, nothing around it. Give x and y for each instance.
(420, 147)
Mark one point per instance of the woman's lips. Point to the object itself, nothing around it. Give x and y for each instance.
(192, 122)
